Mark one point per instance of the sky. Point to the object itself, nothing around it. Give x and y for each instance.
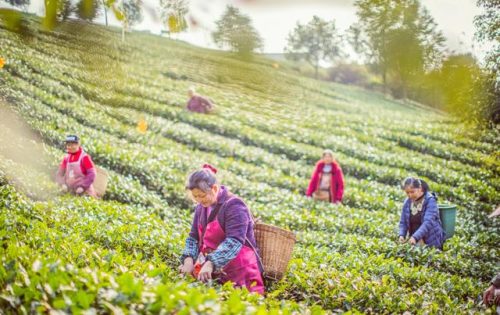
(274, 19)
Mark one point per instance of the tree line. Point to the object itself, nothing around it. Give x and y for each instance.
(400, 47)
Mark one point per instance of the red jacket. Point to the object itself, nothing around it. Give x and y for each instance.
(336, 186)
(86, 165)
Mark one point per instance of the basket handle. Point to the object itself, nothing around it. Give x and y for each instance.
(254, 219)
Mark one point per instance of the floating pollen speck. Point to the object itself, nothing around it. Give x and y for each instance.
(142, 125)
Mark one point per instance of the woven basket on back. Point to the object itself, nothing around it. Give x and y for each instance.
(276, 246)
(101, 181)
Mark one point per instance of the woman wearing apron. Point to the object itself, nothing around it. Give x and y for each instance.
(221, 244)
(327, 180)
(76, 173)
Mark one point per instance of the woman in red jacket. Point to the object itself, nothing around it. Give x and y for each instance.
(76, 174)
(327, 180)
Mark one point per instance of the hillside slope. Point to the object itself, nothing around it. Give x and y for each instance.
(269, 128)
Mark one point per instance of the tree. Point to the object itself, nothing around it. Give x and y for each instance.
(19, 3)
(111, 5)
(173, 13)
(370, 34)
(105, 7)
(129, 13)
(60, 10)
(56, 10)
(399, 38)
(468, 90)
(131, 10)
(87, 9)
(315, 42)
(457, 77)
(64, 10)
(235, 31)
(488, 30)
(413, 48)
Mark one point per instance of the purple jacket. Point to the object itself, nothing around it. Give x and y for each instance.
(234, 219)
(199, 104)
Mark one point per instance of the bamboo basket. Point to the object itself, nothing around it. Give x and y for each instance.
(276, 246)
(100, 182)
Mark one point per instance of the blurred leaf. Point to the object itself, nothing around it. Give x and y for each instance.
(142, 125)
(50, 19)
(118, 14)
(12, 19)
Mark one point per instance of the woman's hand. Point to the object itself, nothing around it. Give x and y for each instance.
(64, 188)
(402, 239)
(413, 241)
(187, 267)
(489, 295)
(206, 271)
(79, 190)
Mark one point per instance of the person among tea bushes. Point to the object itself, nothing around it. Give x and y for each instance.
(492, 295)
(76, 173)
(420, 219)
(221, 244)
(327, 180)
(198, 103)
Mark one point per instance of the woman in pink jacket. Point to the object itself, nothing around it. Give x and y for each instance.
(221, 244)
(327, 180)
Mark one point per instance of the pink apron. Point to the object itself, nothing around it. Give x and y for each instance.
(243, 270)
(74, 175)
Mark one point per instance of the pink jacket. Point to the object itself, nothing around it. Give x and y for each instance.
(337, 184)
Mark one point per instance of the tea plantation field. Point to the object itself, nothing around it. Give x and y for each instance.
(61, 254)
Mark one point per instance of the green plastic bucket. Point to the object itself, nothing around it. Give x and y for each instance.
(448, 215)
